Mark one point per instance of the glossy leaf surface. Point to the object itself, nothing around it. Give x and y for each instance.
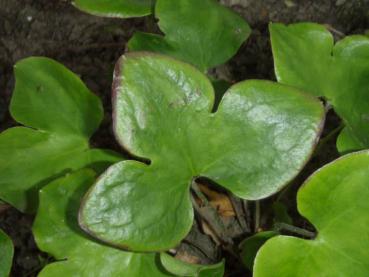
(60, 114)
(57, 232)
(306, 57)
(203, 33)
(115, 8)
(6, 254)
(335, 200)
(180, 268)
(254, 144)
(250, 246)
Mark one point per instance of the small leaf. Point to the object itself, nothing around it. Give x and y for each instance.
(6, 254)
(180, 268)
(251, 245)
(256, 142)
(57, 232)
(335, 200)
(62, 114)
(203, 33)
(114, 8)
(305, 57)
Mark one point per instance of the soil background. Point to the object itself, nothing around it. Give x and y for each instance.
(90, 45)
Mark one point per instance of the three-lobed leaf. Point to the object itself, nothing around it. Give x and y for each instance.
(254, 144)
(180, 268)
(6, 254)
(306, 57)
(115, 8)
(60, 114)
(335, 200)
(57, 232)
(203, 33)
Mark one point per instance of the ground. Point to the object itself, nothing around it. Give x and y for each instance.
(90, 46)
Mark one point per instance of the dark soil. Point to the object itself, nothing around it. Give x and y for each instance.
(90, 46)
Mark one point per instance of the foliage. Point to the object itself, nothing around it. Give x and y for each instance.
(306, 57)
(7, 252)
(252, 140)
(59, 115)
(114, 8)
(335, 200)
(180, 268)
(251, 245)
(203, 33)
(253, 145)
(57, 232)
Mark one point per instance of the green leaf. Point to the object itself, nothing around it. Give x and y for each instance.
(203, 33)
(254, 144)
(115, 8)
(57, 232)
(180, 268)
(305, 57)
(335, 200)
(7, 252)
(61, 114)
(250, 246)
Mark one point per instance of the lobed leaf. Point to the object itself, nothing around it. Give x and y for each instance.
(335, 200)
(306, 57)
(57, 232)
(115, 8)
(180, 268)
(254, 144)
(203, 33)
(60, 114)
(7, 252)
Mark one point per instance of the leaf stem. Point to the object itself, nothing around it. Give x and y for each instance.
(257, 216)
(293, 229)
(327, 138)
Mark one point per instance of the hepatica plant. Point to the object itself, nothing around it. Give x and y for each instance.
(59, 114)
(335, 200)
(57, 232)
(253, 145)
(306, 57)
(202, 33)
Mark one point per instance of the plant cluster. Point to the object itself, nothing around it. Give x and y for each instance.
(100, 213)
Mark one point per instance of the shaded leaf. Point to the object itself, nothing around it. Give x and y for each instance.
(203, 33)
(281, 213)
(114, 8)
(57, 232)
(255, 143)
(180, 268)
(6, 254)
(306, 57)
(251, 245)
(335, 200)
(60, 114)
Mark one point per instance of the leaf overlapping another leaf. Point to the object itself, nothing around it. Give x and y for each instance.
(254, 144)
(335, 200)
(180, 268)
(57, 232)
(203, 33)
(306, 57)
(60, 114)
